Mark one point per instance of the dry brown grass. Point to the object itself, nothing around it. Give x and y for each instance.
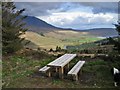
(58, 38)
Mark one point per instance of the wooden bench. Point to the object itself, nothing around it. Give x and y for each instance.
(74, 71)
(45, 70)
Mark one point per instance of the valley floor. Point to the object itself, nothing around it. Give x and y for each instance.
(58, 38)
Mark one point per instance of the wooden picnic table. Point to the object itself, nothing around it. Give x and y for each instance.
(61, 62)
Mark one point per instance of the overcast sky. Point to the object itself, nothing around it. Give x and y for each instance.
(79, 15)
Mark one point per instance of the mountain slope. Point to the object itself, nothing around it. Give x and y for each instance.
(37, 25)
(33, 21)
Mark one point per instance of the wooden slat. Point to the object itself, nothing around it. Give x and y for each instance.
(62, 61)
(67, 61)
(76, 68)
(44, 69)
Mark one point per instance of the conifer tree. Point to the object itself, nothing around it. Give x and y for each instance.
(12, 27)
(116, 41)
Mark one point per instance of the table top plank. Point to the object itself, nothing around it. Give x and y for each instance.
(62, 61)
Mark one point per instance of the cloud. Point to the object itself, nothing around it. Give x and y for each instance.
(78, 19)
(38, 8)
(78, 15)
(46, 8)
(102, 7)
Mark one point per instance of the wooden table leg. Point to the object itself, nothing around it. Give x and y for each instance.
(56, 69)
(75, 77)
(61, 71)
(68, 66)
(49, 74)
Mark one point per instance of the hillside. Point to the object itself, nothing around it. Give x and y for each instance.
(41, 41)
(37, 25)
(58, 38)
(48, 36)
(103, 32)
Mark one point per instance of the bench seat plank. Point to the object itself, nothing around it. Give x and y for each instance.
(44, 69)
(74, 71)
(76, 68)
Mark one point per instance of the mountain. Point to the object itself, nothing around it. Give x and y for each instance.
(37, 25)
(33, 21)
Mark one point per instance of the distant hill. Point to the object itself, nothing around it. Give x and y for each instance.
(37, 25)
(103, 32)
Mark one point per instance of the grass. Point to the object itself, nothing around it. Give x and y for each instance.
(100, 70)
(22, 71)
(82, 39)
(16, 67)
(97, 62)
(43, 42)
(82, 46)
(53, 39)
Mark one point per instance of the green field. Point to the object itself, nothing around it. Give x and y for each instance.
(82, 46)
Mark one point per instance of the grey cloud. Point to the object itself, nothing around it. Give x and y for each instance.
(45, 8)
(38, 8)
(97, 7)
(104, 7)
